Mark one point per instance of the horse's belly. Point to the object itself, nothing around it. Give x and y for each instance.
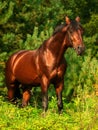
(26, 78)
(26, 74)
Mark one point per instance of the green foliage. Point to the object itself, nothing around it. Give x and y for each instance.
(34, 41)
(25, 25)
(81, 73)
(6, 16)
(82, 114)
(3, 58)
(91, 27)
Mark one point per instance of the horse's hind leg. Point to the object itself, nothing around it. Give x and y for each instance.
(13, 91)
(17, 93)
(26, 97)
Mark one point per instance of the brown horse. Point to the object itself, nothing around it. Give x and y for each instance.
(44, 65)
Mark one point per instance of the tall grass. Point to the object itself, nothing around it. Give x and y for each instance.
(80, 114)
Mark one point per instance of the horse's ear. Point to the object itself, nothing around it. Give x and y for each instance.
(77, 19)
(67, 20)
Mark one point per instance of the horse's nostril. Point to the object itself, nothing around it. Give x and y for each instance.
(79, 47)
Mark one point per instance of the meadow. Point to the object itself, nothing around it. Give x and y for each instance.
(79, 114)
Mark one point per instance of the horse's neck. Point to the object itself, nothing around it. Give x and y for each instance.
(56, 44)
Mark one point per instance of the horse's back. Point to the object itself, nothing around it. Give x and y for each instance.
(22, 65)
(10, 62)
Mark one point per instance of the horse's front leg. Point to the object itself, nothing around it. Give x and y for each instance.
(45, 100)
(59, 87)
(44, 89)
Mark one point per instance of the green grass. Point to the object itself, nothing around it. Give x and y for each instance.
(81, 114)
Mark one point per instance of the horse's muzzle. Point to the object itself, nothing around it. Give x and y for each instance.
(80, 49)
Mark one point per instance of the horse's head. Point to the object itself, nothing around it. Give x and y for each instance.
(75, 32)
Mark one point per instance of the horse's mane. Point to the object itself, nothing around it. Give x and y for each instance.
(58, 28)
(74, 25)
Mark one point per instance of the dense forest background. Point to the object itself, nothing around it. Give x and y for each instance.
(25, 24)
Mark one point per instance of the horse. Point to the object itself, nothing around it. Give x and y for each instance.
(44, 65)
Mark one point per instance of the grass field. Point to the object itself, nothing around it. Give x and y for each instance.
(80, 114)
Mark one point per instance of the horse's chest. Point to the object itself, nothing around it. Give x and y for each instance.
(58, 72)
(49, 59)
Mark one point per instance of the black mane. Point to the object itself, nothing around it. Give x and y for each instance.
(74, 25)
(58, 28)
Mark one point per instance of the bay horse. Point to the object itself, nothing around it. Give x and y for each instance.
(44, 65)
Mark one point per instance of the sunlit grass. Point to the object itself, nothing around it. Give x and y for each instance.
(81, 114)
